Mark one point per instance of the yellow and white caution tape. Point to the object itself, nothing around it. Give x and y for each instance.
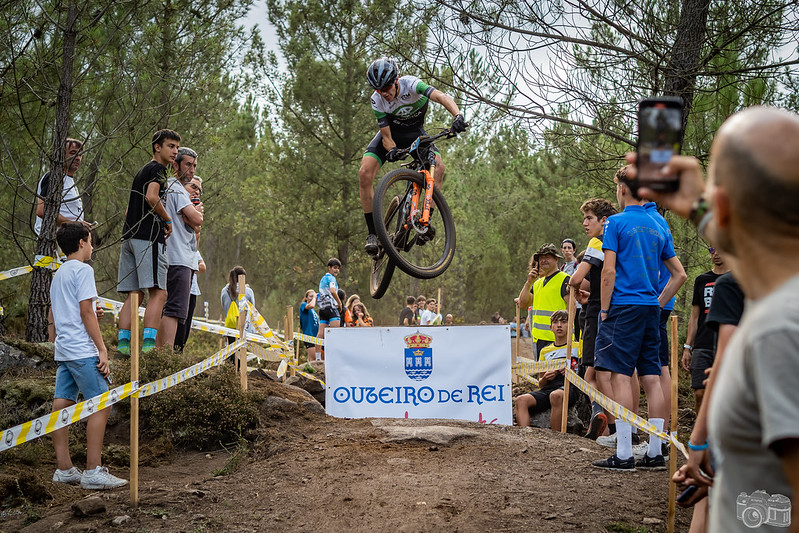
(306, 375)
(529, 379)
(309, 338)
(57, 420)
(46, 261)
(622, 412)
(187, 373)
(40, 261)
(528, 366)
(230, 332)
(281, 368)
(267, 353)
(14, 272)
(262, 327)
(115, 307)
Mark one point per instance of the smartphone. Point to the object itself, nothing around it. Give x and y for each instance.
(660, 135)
(687, 493)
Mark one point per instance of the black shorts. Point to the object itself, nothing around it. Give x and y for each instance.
(701, 360)
(542, 402)
(309, 344)
(665, 357)
(589, 338)
(326, 314)
(178, 290)
(403, 139)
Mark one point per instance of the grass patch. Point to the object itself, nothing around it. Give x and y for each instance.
(237, 454)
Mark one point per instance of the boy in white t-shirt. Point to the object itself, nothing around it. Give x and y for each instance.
(429, 316)
(81, 356)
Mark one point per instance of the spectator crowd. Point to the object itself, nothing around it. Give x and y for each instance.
(745, 439)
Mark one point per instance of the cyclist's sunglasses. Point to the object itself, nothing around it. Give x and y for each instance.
(711, 249)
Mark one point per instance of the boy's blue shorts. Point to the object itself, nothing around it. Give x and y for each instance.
(629, 340)
(665, 355)
(79, 375)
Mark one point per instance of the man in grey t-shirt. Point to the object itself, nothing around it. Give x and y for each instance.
(181, 246)
(753, 392)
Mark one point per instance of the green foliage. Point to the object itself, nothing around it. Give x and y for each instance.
(23, 399)
(280, 143)
(237, 454)
(200, 413)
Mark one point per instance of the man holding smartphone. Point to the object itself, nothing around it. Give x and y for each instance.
(546, 287)
(749, 213)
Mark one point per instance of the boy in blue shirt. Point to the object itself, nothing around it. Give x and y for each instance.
(330, 306)
(81, 356)
(664, 277)
(628, 339)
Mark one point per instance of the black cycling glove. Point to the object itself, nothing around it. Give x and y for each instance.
(459, 125)
(393, 155)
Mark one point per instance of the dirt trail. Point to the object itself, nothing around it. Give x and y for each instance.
(309, 472)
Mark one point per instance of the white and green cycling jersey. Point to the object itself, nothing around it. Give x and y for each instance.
(408, 109)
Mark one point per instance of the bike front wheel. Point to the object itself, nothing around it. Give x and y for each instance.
(421, 252)
(382, 266)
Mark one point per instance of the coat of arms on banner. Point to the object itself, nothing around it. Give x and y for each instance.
(418, 356)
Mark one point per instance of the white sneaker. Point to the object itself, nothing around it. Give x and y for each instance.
(639, 450)
(608, 441)
(100, 479)
(70, 477)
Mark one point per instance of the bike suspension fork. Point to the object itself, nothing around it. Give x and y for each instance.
(430, 182)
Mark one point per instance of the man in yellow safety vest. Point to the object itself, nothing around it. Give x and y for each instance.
(547, 287)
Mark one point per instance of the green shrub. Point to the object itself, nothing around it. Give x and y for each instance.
(203, 412)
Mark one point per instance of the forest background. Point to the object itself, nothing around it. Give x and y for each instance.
(550, 89)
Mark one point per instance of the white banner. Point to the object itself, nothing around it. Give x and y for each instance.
(461, 372)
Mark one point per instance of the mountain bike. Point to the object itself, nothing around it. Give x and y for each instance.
(412, 219)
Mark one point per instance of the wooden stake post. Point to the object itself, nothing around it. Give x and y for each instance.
(572, 306)
(289, 336)
(241, 353)
(518, 333)
(134, 400)
(673, 422)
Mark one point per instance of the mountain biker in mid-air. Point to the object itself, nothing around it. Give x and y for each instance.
(400, 105)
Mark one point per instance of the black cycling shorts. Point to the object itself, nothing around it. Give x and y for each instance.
(403, 139)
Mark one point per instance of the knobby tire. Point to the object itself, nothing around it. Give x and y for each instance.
(405, 258)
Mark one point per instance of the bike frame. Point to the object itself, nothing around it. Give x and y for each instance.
(428, 170)
(430, 182)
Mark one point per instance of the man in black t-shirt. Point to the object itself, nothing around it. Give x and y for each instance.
(699, 350)
(142, 257)
(726, 309)
(407, 313)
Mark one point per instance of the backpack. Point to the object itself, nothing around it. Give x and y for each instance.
(232, 317)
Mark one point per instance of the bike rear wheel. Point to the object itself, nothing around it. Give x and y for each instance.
(418, 251)
(382, 266)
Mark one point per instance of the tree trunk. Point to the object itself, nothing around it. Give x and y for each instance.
(39, 302)
(685, 54)
(166, 63)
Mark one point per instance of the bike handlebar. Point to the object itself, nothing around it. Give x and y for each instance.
(446, 133)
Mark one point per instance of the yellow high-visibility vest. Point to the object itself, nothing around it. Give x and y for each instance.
(546, 300)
